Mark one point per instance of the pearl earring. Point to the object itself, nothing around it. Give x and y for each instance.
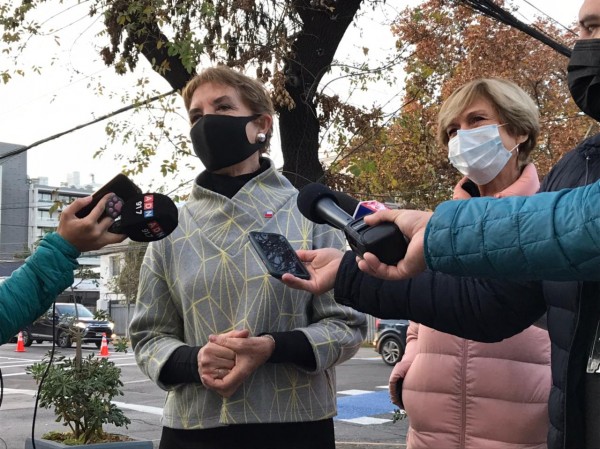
(261, 137)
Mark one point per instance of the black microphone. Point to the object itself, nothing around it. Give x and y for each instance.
(320, 204)
(347, 203)
(146, 217)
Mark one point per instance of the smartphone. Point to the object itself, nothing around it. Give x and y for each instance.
(278, 255)
(120, 185)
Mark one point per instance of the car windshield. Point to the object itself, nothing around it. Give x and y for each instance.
(69, 309)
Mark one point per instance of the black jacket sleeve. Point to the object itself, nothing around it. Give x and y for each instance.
(486, 310)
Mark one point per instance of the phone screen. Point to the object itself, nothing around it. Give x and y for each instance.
(278, 255)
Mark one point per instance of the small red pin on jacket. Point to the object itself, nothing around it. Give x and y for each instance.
(268, 214)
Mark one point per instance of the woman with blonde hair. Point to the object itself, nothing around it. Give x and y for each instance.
(459, 393)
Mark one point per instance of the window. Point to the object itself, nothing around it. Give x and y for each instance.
(45, 215)
(114, 267)
(45, 197)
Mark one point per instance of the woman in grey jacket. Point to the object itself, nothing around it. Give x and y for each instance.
(246, 362)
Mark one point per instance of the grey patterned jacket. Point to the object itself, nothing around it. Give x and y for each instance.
(205, 278)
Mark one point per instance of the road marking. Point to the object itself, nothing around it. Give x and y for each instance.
(353, 392)
(140, 408)
(356, 407)
(366, 420)
(18, 391)
(3, 364)
(362, 408)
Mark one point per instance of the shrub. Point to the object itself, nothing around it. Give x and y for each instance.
(81, 394)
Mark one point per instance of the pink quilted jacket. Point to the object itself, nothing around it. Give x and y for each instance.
(461, 394)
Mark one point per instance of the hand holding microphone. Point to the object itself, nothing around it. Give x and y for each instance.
(413, 224)
(320, 204)
(141, 217)
(90, 232)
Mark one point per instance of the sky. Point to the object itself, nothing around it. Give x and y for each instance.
(39, 105)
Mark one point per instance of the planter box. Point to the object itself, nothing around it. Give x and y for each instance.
(47, 444)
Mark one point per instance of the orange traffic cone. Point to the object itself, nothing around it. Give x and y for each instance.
(104, 346)
(20, 345)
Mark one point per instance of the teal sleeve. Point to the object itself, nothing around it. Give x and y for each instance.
(550, 236)
(30, 290)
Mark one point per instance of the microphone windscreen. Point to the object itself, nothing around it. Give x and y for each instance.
(346, 202)
(309, 196)
(148, 217)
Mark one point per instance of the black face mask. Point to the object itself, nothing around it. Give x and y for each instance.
(584, 76)
(220, 140)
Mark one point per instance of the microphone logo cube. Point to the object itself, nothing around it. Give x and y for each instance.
(368, 207)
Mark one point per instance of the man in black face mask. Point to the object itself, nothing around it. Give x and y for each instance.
(584, 66)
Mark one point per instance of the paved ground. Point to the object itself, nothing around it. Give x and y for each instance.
(364, 411)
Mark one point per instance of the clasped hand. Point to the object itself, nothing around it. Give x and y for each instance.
(228, 359)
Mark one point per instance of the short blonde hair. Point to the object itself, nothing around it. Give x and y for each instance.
(512, 104)
(252, 92)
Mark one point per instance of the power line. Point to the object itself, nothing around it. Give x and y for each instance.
(84, 125)
(551, 18)
(490, 9)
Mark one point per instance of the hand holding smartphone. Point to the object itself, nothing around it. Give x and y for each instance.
(278, 255)
(120, 185)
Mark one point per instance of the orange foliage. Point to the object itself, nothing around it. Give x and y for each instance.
(452, 45)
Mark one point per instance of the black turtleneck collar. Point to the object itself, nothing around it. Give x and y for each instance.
(228, 185)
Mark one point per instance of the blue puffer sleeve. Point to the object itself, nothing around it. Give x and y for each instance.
(551, 236)
(30, 290)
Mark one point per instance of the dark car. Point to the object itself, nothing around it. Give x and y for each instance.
(67, 323)
(390, 339)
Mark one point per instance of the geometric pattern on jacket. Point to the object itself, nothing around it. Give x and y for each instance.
(205, 278)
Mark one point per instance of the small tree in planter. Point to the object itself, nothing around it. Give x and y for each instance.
(80, 393)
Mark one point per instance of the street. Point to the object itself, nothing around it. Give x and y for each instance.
(364, 409)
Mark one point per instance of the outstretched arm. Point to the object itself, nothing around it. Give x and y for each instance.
(30, 290)
(478, 309)
(551, 236)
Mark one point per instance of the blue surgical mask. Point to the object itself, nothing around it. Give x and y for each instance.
(479, 153)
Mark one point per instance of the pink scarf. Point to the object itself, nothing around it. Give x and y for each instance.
(527, 184)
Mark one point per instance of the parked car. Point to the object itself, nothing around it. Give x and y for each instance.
(67, 321)
(390, 339)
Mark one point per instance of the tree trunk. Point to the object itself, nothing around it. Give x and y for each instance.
(311, 56)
